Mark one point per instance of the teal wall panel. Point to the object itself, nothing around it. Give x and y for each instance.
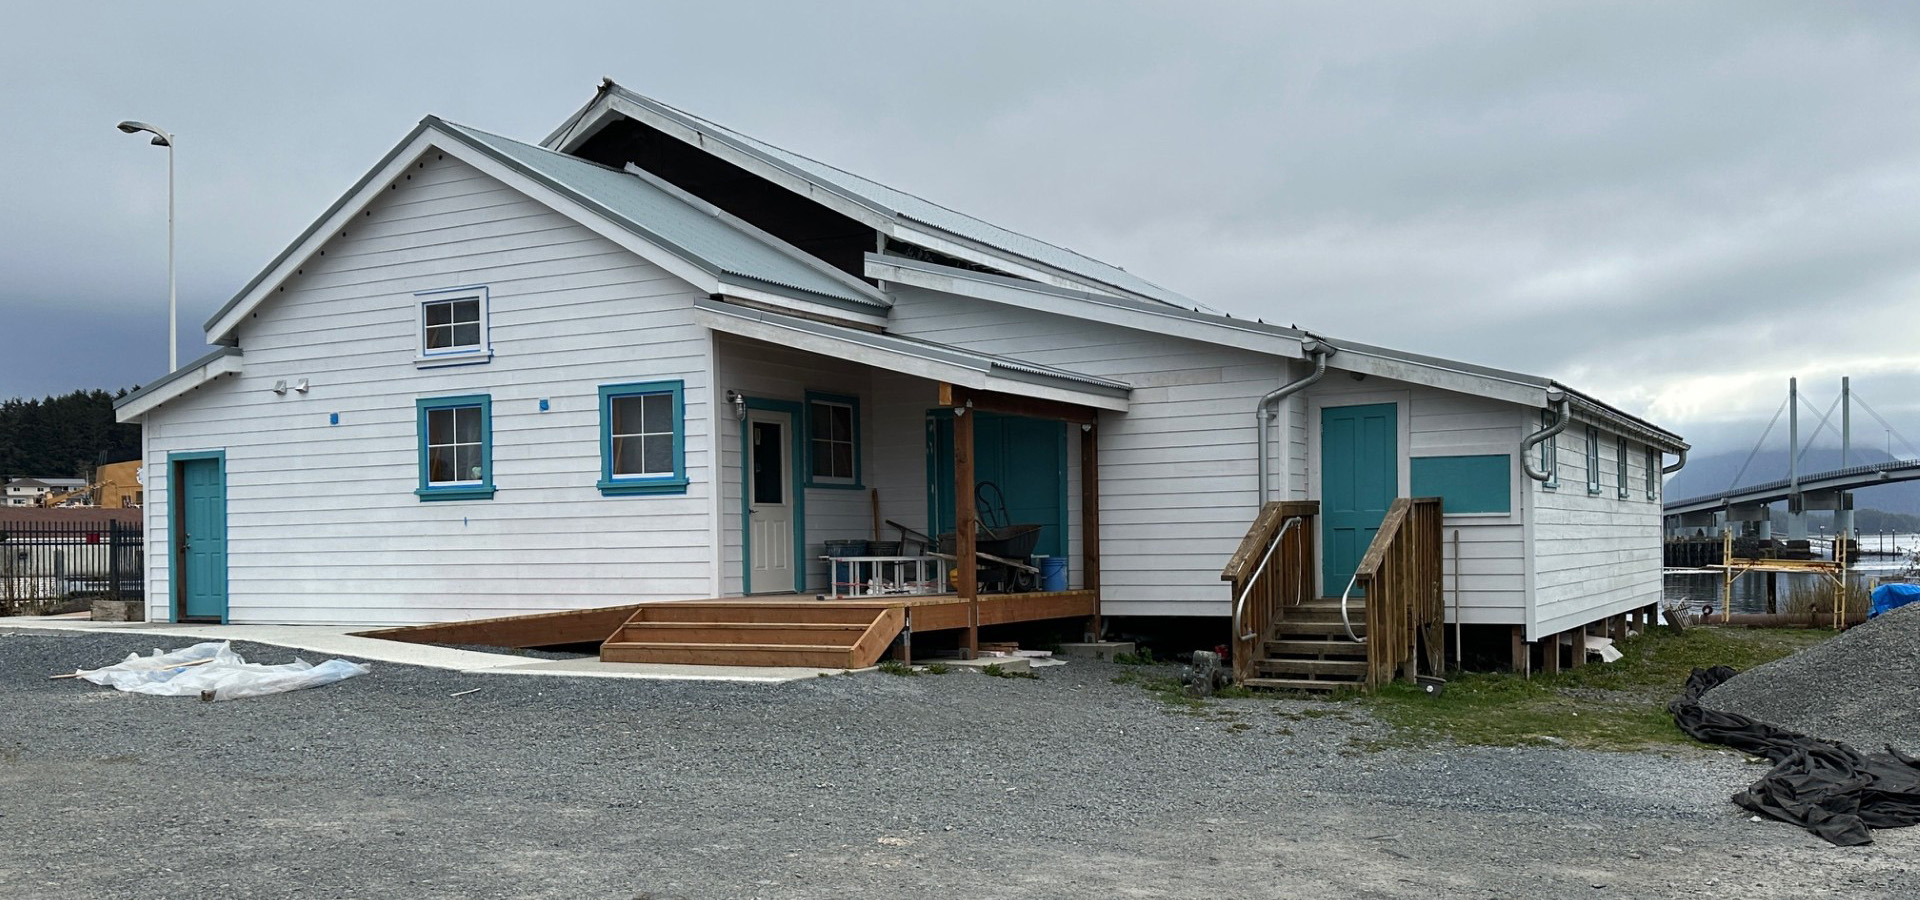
(1466, 484)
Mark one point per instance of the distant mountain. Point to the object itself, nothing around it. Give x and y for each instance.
(1714, 473)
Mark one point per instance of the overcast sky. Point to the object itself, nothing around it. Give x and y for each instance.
(1673, 206)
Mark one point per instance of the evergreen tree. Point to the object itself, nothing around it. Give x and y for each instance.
(63, 437)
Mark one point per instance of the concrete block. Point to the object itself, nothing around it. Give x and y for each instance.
(1006, 663)
(1103, 650)
(119, 611)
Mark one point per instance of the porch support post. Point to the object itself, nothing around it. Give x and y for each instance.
(1090, 516)
(965, 521)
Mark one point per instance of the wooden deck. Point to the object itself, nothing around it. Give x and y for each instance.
(768, 630)
(843, 633)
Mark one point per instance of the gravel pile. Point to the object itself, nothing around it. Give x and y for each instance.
(1861, 688)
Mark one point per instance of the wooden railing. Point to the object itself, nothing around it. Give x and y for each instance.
(1272, 570)
(1400, 576)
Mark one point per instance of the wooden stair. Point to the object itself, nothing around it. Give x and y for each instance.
(799, 633)
(1308, 649)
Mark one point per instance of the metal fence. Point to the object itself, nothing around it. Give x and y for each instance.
(51, 567)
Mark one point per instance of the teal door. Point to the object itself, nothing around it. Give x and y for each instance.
(1025, 458)
(1359, 477)
(200, 543)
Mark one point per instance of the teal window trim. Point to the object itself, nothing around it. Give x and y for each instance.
(831, 483)
(1593, 460)
(1550, 452)
(612, 485)
(1467, 485)
(1620, 467)
(795, 412)
(1653, 476)
(482, 490)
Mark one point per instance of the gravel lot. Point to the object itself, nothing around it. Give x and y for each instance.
(1861, 688)
(857, 786)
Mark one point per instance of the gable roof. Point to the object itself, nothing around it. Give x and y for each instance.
(692, 239)
(893, 212)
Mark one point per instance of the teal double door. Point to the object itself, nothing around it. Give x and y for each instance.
(1025, 458)
(200, 537)
(1359, 479)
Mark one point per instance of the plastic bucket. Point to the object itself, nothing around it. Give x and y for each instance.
(1053, 573)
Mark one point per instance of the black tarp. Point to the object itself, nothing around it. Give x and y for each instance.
(1826, 787)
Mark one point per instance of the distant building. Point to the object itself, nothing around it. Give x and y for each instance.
(118, 485)
(29, 491)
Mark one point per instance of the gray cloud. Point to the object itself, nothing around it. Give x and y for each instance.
(1674, 206)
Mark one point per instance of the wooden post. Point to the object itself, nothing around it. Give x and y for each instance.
(1579, 656)
(965, 520)
(1550, 654)
(1618, 628)
(1520, 660)
(1090, 517)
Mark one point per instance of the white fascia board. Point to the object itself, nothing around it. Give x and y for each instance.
(1383, 366)
(430, 139)
(876, 318)
(187, 380)
(906, 364)
(1156, 318)
(1021, 388)
(981, 255)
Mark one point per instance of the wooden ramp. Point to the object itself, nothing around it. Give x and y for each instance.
(760, 633)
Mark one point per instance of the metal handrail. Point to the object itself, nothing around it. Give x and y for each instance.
(1344, 621)
(1239, 605)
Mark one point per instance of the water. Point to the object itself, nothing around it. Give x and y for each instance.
(1697, 589)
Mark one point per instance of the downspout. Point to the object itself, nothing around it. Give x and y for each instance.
(1263, 414)
(1562, 414)
(1678, 464)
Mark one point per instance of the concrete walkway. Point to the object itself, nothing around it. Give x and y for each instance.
(339, 640)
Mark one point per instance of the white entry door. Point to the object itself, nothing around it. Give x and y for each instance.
(769, 485)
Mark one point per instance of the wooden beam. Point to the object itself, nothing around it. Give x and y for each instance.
(576, 626)
(1520, 659)
(1090, 518)
(965, 521)
(956, 396)
(1550, 654)
(1579, 657)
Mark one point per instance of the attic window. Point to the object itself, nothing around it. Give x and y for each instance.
(452, 327)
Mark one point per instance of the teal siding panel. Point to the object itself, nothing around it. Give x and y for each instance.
(1466, 484)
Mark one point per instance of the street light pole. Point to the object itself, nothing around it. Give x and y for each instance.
(163, 139)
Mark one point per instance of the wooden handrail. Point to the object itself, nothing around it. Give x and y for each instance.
(1401, 573)
(1271, 570)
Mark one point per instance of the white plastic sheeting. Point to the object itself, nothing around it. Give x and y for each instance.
(212, 671)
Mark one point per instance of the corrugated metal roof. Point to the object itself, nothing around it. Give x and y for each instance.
(921, 349)
(687, 227)
(882, 198)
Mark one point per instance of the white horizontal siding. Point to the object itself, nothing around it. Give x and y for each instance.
(1595, 554)
(323, 523)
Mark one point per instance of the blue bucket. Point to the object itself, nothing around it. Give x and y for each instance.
(1053, 573)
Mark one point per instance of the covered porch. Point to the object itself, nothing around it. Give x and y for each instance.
(831, 436)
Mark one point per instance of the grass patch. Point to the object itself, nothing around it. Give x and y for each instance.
(896, 667)
(997, 671)
(1142, 658)
(1616, 706)
(938, 668)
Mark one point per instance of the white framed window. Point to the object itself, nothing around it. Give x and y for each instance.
(1653, 474)
(833, 441)
(451, 327)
